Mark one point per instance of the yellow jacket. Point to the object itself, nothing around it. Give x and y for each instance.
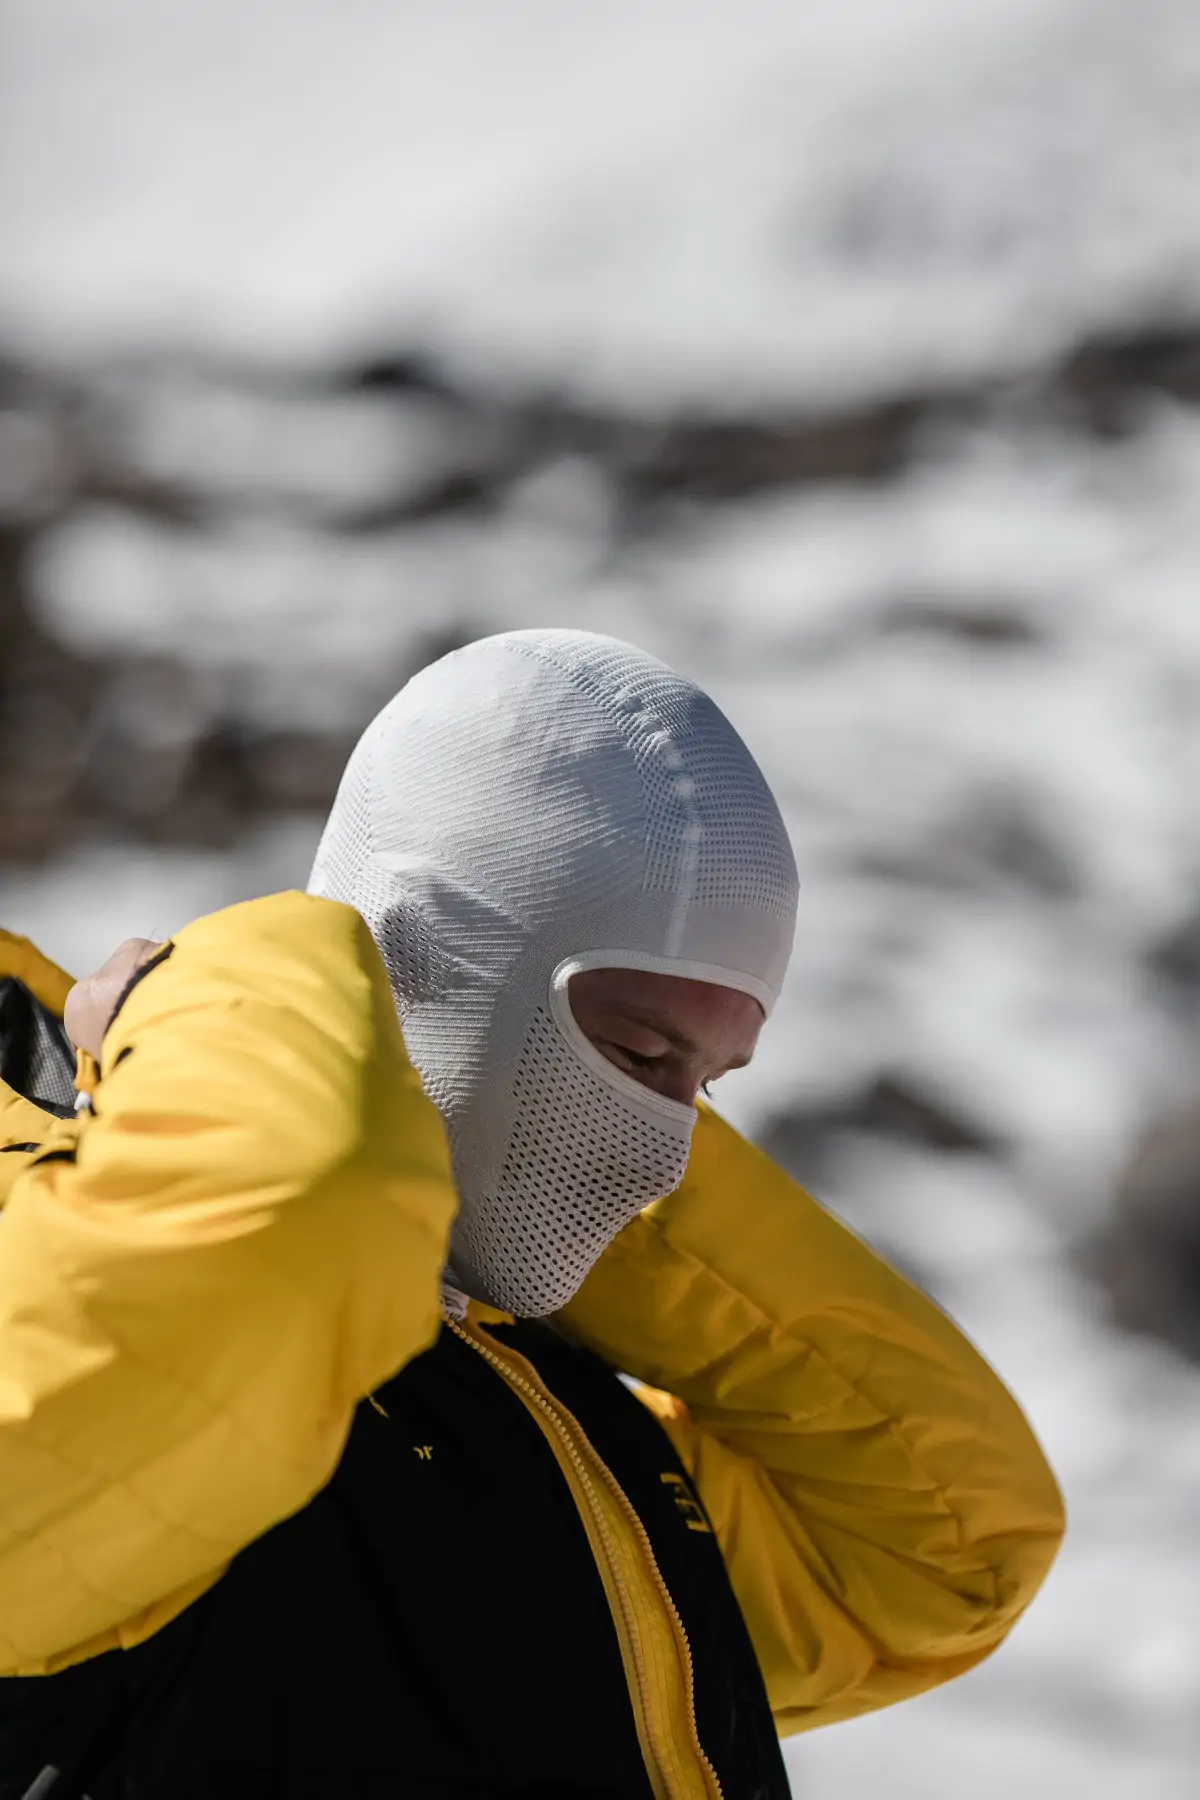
(200, 1281)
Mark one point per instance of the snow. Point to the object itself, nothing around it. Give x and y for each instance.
(975, 685)
(692, 202)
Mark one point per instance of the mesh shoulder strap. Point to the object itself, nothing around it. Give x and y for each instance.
(36, 1058)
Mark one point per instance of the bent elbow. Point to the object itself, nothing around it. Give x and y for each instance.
(1005, 1561)
(1028, 1552)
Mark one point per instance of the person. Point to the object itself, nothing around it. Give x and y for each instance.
(408, 1383)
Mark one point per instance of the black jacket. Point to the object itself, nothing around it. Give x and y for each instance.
(431, 1625)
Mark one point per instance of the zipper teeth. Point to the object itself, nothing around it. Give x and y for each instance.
(517, 1380)
(556, 1418)
(643, 1536)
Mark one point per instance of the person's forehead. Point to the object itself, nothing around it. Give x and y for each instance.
(663, 1001)
(645, 985)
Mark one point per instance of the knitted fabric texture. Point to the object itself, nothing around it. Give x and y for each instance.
(534, 804)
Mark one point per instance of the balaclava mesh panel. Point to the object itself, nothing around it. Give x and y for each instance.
(531, 805)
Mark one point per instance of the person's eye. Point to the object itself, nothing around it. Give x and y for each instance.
(631, 1061)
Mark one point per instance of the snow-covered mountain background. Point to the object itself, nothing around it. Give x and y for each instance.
(845, 353)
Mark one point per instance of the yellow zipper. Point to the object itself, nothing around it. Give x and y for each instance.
(565, 1436)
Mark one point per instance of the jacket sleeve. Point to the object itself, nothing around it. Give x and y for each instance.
(199, 1286)
(884, 1509)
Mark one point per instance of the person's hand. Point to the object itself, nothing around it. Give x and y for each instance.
(90, 1002)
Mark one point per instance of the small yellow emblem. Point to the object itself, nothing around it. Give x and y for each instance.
(686, 1501)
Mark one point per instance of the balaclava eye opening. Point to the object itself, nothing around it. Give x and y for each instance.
(530, 806)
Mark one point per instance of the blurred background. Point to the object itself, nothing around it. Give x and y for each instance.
(847, 355)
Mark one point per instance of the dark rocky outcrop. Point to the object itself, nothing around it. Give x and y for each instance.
(1147, 1255)
(893, 1105)
(79, 749)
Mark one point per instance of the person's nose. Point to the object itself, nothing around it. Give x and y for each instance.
(681, 1084)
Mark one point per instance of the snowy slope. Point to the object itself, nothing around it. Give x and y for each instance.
(713, 202)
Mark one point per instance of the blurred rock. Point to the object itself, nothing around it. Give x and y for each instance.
(892, 1105)
(1148, 1254)
(988, 624)
(48, 698)
(39, 442)
(30, 476)
(996, 838)
(1105, 384)
(218, 512)
(726, 461)
(1175, 961)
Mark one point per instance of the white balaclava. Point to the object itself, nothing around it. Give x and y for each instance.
(536, 804)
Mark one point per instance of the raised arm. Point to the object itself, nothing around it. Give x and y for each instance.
(198, 1286)
(884, 1509)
